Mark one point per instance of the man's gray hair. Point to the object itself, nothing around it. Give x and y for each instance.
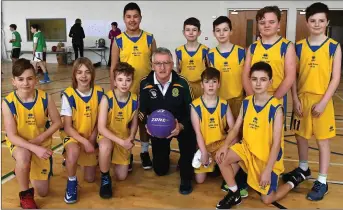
(162, 50)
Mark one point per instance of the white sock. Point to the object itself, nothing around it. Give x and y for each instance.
(290, 183)
(234, 188)
(322, 178)
(303, 164)
(72, 178)
(145, 147)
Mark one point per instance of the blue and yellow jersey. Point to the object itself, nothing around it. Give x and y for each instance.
(213, 122)
(120, 114)
(230, 65)
(315, 66)
(258, 124)
(85, 109)
(137, 52)
(274, 55)
(192, 63)
(31, 118)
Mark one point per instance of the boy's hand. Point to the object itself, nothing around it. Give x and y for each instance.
(36, 141)
(127, 144)
(177, 129)
(317, 109)
(205, 158)
(221, 154)
(265, 178)
(88, 146)
(42, 152)
(297, 106)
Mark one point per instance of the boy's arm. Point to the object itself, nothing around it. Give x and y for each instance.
(276, 145)
(245, 74)
(114, 62)
(234, 130)
(102, 121)
(134, 126)
(178, 67)
(335, 79)
(153, 46)
(11, 129)
(94, 134)
(231, 122)
(55, 123)
(290, 71)
(196, 126)
(143, 104)
(13, 38)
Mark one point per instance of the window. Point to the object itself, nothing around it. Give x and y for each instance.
(54, 29)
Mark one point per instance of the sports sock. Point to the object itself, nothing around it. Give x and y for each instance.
(290, 183)
(322, 178)
(72, 178)
(303, 164)
(233, 188)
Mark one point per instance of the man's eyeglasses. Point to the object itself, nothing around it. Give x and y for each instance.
(159, 64)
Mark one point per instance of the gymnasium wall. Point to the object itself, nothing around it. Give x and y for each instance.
(162, 18)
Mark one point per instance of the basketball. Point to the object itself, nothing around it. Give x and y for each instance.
(161, 123)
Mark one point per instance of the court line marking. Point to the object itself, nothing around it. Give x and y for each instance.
(336, 94)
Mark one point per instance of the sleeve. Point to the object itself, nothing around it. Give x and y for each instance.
(13, 36)
(65, 107)
(35, 39)
(143, 104)
(82, 33)
(109, 35)
(185, 118)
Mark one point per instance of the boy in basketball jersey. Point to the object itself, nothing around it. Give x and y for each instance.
(27, 111)
(191, 57)
(228, 58)
(117, 124)
(135, 46)
(38, 49)
(274, 50)
(16, 43)
(319, 71)
(261, 152)
(211, 118)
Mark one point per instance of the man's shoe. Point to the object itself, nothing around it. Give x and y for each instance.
(186, 187)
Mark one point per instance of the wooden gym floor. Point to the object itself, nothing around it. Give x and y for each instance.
(143, 189)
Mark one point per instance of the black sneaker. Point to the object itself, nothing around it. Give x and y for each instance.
(131, 163)
(231, 199)
(146, 162)
(106, 187)
(185, 187)
(288, 176)
(297, 178)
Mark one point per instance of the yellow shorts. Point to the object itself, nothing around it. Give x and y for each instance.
(85, 159)
(235, 105)
(196, 88)
(40, 169)
(323, 127)
(120, 155)
(212, 149)
(254, 167)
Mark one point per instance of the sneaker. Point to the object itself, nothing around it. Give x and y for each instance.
(131, 163)
(185, 187)
(231, 199)
(287, 177)
(146, 162)
(318, 191)
(106, 187)
(297, 178)
(71, 192)
(27, 199)
(243, 192)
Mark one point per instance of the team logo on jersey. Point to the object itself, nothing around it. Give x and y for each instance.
(254, 124)
(313, 58)
(153, 93)
(88, 108)
(175, 92)
(135, 48)
(136, 51)
(265, 56)
(191, 62)
(30, 116)
(212, 120)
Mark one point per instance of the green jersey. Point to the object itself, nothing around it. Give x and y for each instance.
(38, 38)
(16, 36)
